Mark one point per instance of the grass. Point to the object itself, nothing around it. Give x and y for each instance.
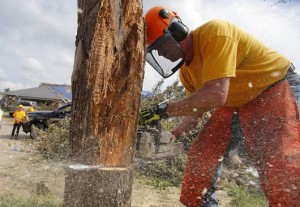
(32, 201)
(242, 196)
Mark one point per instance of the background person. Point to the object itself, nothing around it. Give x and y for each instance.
(19, 117)
(30, 109)
(225, 68)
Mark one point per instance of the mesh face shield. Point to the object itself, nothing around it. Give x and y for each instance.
(165, 55)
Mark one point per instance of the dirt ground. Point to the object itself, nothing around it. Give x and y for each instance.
(21, 170)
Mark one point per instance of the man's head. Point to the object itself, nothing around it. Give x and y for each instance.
(164, 31)
(20, 107)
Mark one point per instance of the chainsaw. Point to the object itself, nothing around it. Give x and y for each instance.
(154, 129)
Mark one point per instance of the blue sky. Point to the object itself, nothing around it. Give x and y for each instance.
(37, 37)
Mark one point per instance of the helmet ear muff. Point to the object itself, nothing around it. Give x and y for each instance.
(178, 30)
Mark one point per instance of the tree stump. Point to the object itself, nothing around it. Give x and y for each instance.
(97, 186)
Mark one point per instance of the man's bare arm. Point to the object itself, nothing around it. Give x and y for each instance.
(211, 95)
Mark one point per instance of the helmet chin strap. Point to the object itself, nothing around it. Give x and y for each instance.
(187, 45)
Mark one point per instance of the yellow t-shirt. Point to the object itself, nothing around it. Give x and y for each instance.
(30, 109)
(19, 116)
(223, 50)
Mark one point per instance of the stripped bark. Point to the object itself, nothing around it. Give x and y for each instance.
(106, 85)
(107, 80)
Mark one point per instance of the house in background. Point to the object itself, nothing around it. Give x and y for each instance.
(62, 89)
(46, 94)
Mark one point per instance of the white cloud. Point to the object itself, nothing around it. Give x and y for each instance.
(39, 42)
(34, 65)
(2, 74)
(13, 86)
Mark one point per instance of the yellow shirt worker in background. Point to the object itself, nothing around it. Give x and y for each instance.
(19, 117)
(30, 109)
(248, 84)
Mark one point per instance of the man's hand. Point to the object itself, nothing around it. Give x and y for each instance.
(148, 115)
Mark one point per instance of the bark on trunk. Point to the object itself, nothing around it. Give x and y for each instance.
(106, 87)
(107, 80)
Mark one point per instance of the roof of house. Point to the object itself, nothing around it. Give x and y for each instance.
(38, 93)
(63, 90)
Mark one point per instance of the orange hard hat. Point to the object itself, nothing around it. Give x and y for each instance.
(157, 19)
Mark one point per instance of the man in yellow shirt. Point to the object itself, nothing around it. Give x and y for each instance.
(30, 109)
(19, 117)
(248, 84)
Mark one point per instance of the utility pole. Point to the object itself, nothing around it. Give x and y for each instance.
(106, 88)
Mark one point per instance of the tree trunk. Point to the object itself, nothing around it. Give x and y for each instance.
(106, 88)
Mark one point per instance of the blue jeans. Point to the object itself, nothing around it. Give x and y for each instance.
(210, 199)
(294, 81)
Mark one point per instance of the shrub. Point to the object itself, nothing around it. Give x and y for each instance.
(54, 142)
(162, 174)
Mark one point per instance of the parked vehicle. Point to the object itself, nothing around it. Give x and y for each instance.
(40, 119)
(26, 104)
